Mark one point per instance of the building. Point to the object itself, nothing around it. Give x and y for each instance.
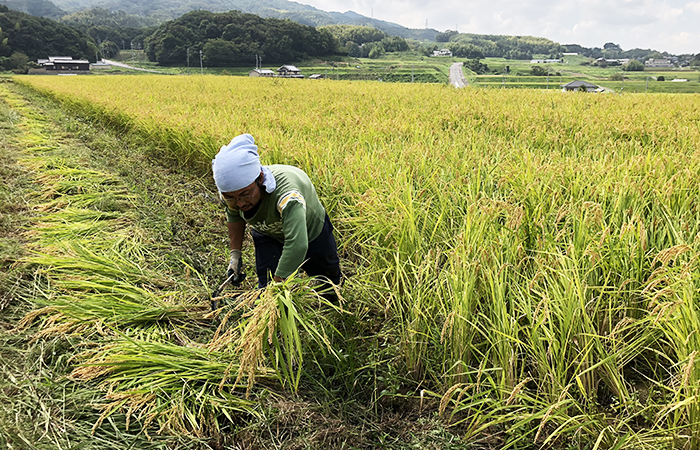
(267, 73)
(663, 62)
(546, 61)
(289, 71)
(611, 62)
(579, 85)
(442, 52)
(64, 64)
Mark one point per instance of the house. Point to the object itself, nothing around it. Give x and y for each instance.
(611, 62)
(64, 64)
(442, 52)
(261, 73)
(663, 62)
(579, 85)
(289, 71)
(546, 61)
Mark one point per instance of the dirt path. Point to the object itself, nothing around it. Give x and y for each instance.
(126, 66)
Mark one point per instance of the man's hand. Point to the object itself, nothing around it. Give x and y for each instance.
(235, 267)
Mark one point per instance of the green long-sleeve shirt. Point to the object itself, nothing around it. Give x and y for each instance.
(291, 214)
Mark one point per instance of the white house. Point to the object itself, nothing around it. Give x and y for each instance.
(442, 52)
(663, 62)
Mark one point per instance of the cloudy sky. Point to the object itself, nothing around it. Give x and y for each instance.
(670, 25)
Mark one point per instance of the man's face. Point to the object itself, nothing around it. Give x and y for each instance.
(245, 198)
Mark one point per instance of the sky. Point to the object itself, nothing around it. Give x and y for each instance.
(670, 25)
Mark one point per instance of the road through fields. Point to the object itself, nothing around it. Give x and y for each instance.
(457, 76)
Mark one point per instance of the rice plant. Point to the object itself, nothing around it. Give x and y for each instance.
(528, 255)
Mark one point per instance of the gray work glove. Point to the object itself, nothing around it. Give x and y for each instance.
(235, 267)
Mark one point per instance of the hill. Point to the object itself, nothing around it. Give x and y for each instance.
(38, 37)
(163, 10)
(39, 8)
(234, 37)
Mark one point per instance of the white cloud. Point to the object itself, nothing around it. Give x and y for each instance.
(664, 25)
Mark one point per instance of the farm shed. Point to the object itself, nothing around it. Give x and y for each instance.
(578, 85)
(64, 64)
(289, 71)
(261, 73)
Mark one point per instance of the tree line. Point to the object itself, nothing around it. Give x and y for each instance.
(232, 38)
(24, 38)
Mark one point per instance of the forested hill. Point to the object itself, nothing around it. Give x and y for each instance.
(234, 37)
(163, 10)
(38, 37)
(40, 8)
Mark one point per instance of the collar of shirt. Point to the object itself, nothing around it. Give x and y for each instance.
(269, 181)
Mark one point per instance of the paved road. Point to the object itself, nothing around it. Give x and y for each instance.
(457, 76)
(126, 66)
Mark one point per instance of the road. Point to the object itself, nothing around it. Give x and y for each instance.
(457, 76)
(126, 66)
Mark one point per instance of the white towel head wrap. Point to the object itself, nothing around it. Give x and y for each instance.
(237, 165)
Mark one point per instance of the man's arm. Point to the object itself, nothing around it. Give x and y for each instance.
(236, 231)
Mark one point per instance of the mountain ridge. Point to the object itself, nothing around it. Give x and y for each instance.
(165, 10)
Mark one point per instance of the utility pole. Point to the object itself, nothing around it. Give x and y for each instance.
(547, 77)
(201, 67)
(412, 73)
(188, 60)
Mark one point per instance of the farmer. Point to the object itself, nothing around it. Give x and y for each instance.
(289, 225)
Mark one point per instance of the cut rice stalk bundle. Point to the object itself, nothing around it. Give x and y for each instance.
(126, 308)
(79, 224)
(71, 181)
(113, 200)
(77, 260)
(176, 387)
(282, 312)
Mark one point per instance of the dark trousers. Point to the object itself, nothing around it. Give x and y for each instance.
(321, 257)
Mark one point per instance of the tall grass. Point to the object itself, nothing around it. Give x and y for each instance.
(532, 252)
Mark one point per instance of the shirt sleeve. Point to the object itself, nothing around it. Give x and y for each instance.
(232, 215)
(296, 236)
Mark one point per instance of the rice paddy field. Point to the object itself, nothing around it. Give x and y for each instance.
(521, 268)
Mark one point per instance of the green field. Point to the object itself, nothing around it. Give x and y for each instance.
(522, 268)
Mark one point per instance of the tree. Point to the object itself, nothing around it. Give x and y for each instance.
(109, 49)
(376, 52)
(446, 36)
(660, 78)
(539, 71)
(219, 52)
(353, 49)
(612, 47)
(476, 66)
(37, 37)
(633, 66)
(16, 62)
(239, 37)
